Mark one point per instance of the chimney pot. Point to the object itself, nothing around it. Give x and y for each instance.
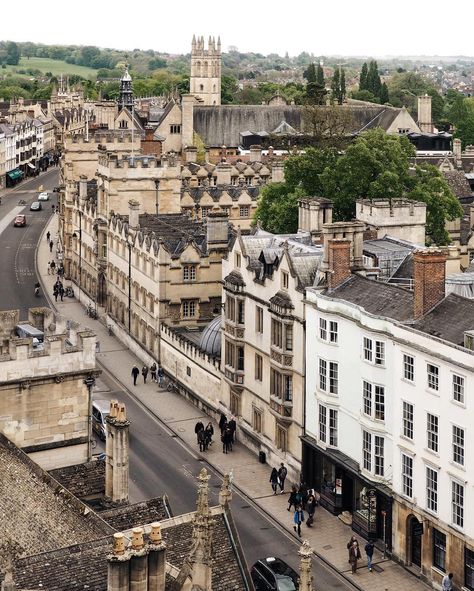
(113, 409)
(121, 413)
(137, 538)
(155, 533)
(119, 544)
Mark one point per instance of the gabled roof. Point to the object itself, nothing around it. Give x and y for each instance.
(449, 319)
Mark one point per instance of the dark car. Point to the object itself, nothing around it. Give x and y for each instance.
(36, 206)
(19, 221)
(273, 574)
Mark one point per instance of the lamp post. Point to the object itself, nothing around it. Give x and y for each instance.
(129, 245)
(80, 255)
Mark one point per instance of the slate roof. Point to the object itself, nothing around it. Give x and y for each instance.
(449, 319)
(458, 183)
(36, 511)
(129, 516)
(82, 480)
(376, 298)
(84, 566)
(176, 230)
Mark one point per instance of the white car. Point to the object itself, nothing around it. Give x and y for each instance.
(44, 196)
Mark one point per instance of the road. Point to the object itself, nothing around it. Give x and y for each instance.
(18, 245)
(159, 461)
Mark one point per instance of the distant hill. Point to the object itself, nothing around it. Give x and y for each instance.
(55, 67)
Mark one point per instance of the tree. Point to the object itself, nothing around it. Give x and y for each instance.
(336, 85)
(229, 89)
(330, 126)
(384, 98)
(277, 208)
(310, 73)
(364, 95)
(320, 76)
(13, 53)
(374, 84)
(363, 78)
(304, 170)
(343, 86)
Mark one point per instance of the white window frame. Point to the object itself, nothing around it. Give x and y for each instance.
(333, 420)
(379, 455)
(333, 330)
(408, 413)
(432, 432)
(189, 308)
(322, 423)
(189, 273)
(458, 388)
(323, 329)
(432, 377)
(367, 450)
(373, 400)
(457, 503)
(407, 475)
(431, 489)
(328, 372)
(458, 445)
(408, 367)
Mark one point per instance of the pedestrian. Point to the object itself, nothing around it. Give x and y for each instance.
(153, 370)
(226, 439)
(55, 292)
(282, 472)
(209, 433)
(232, 425)
(298, 518)
(51, 244)
(49, 267)
(311, 509)
(369, 551)
(222, 422)
(135, 372)
(447, 582)
(303, 492)
(61, 291)
(198, 427)
(161, 375)
(145, 373)
(292, 501)
(201, 438)
(61, 270)
(354, 556)
(48, 236)
(274, 480)
(349, 544)
(53, 267)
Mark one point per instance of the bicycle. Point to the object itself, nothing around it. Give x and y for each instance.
(171, 387)
(69, 292)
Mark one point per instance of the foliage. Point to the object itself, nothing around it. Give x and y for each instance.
(304, 170)
(338, 85)
(277, 208)
(364, 95)
(329, 125)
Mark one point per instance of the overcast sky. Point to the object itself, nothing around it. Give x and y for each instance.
(334, 27)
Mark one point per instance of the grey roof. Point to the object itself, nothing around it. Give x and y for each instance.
(376, 297)
(175, 230)
(129, 516)
(458, 183)
(82, 480)
(36, 511)
(449, 319)
(210, 341)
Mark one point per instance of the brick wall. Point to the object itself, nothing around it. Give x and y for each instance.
(429, 272)
(339, 261)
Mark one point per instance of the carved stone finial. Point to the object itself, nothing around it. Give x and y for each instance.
(306, 577)
(225, 493)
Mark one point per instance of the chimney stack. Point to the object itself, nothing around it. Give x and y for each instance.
(255, 153)
(134, 214)
(138, 562)
(339, 262)
(82, 188)
(425, 122)
(223, 173)
(118, 578)
(278, 172)
(117, 454)
(191, 153)
(429, 274)
(457, 149)
(217, 224)
(313, 213)
(156, 559)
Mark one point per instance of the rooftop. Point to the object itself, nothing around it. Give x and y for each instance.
(449, 319)
(175, 230)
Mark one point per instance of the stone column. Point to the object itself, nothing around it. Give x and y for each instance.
(109, 450)
(156, 560)
(138, 562)
(225, 493)
(118, 578)
(306, 578)
(116, 484)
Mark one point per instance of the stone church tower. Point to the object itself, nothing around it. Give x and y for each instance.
(126, 92)
(206, 70)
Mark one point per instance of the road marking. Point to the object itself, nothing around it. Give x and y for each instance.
(8, 219)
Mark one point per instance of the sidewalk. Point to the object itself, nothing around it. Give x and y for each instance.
(328, 536)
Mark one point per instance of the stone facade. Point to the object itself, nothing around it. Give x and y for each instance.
(44, 403)
(205, 82)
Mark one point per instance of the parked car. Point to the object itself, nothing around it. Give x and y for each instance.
(273, 574)
(36, 206)
(19, 221)
(100, 411)
(44, 196)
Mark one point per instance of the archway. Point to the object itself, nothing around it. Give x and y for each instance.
(414, 540)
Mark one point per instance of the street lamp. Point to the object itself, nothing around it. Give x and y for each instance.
(80, 255)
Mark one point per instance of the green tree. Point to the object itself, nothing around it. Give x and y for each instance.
(320, 76)
(374, 84)
(343, 86)
(364, 95)
(384, 98)
(310, 73)
(13, 53)
(336, 85)
(229, 89)
(363, 77)
(277, 208)
(304, 170)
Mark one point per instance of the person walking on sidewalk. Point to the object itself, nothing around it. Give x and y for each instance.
(274, 480)
(209, 433)
(292, 501)
(135, 372)
(298, 518)
(226, 441)
(48, 236)
(369, 551)
(49, 267)
(53, 267)
(144, 373)
(354, 556)
(51, 244)
(311, 509)
(161, 376)
(447, 582)
(198, 427)
(349, 544)
(232, 426)
(153, 370)
(282, 472)
(222, 423)
(61, 290)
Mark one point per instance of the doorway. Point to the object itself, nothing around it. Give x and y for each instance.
(416, 535)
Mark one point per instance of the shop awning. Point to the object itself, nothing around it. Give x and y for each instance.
(31, 165)
(15, 174)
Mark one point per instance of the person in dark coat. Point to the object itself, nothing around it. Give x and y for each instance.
(282, 472)
(222, 422)
(209, 431)
(135, 372)
(198, 427)
(292, 500)
(298, 518)
(51, 244)
(274, 480)
(144, 373)
(153, 370)
(310, 510)
(201, 437)
(354, 555)
(226, 441)
(369, 551)
(232, 425)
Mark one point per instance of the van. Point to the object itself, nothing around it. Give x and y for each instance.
(28, 331)
(100, 411)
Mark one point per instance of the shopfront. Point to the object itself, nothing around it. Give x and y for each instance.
(14, 177)
(342, 488)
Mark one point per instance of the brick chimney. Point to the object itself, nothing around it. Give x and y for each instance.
(339, 261)
(117, 453)
(429, 273)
